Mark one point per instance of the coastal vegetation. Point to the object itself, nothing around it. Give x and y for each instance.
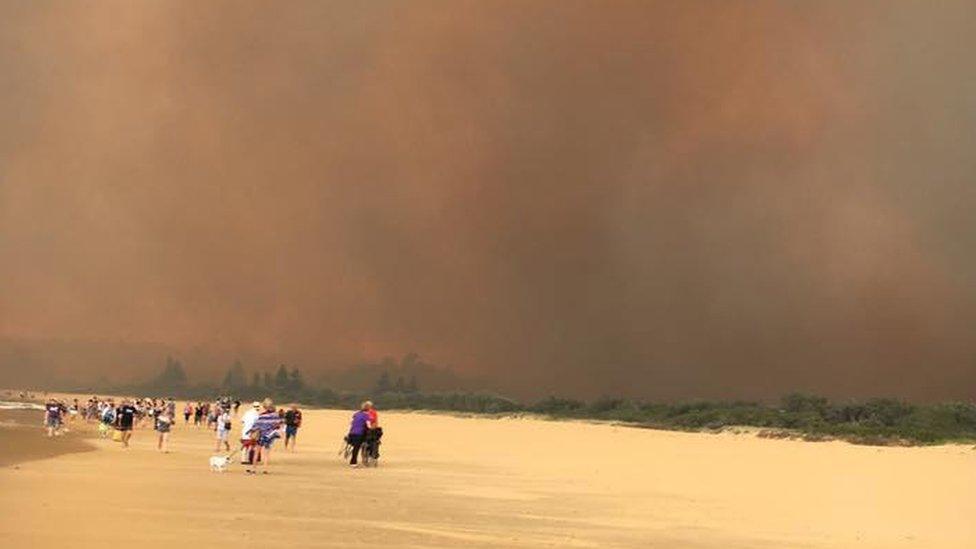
(876, 421)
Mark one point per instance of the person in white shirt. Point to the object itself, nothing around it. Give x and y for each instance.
(247, 423)
(223, 429)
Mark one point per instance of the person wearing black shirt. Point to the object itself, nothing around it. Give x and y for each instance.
(293, 420)
(124, 419)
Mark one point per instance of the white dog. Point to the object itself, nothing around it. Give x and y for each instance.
(218, 463)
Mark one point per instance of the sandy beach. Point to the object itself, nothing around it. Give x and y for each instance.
(477, 482)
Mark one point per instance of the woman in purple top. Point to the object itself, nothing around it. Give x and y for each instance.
(357, 433)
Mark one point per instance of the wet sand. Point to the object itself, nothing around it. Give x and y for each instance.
(23, 439)
(477, 482)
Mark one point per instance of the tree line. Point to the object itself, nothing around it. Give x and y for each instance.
(873, 421)
(172, 379)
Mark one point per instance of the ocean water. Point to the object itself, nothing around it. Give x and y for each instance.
(5, 405)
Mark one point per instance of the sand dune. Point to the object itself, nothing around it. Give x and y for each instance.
(475, 482)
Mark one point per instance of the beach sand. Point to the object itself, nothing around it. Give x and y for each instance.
(449, 481)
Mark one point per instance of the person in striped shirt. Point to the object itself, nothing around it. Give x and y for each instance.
(266, 430)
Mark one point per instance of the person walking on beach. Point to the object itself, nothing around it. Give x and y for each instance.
(124, 420)
(212, 413)
(73, 412)
(293, 420)
(267, 429)
(107, 417)
(164, 421)
(52, 417)
(357, 432)
(247, 441)
(223, 429)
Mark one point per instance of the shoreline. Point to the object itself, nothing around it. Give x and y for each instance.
(23, 439)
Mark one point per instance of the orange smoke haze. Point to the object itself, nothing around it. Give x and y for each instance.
(656, 199)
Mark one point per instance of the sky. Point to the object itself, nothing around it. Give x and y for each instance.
(653, 199)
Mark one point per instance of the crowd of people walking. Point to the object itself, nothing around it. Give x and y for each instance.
(262, 424)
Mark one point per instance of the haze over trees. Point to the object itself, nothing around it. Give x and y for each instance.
(390, 385)
(172, 378)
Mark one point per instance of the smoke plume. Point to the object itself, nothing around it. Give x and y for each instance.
(657, 199)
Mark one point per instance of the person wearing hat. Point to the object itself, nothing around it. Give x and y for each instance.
(247, 425)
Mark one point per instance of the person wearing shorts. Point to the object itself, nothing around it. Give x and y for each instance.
(164, 422)
(107, 417)
(52, 417)
(124, 420)
(293, 420)
(267, 428)
(223, 430)
(74, 410)
(248, 442)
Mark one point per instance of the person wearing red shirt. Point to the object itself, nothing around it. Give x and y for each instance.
(373, 431)
(374, 421)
